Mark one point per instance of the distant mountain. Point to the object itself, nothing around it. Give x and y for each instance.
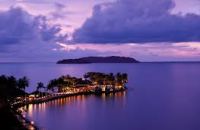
(88, 60)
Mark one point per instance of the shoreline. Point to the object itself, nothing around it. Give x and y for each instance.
(59, 96)
(11, 119)
(27, 124)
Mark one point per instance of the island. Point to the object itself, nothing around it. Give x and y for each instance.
(95, 59)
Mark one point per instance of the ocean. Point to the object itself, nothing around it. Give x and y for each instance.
(160, 96)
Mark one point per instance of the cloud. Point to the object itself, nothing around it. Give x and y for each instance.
(17, 26)
(60, 12)
(24, 35)
(59, 5)
(128, 21)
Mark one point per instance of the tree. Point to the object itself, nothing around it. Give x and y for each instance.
(9, 89)
(86, 76)
(12, 82)
(40, 85)
(23, 83)
(118, 77)
(111, 79)
(52, 84)
(124, 78)
(4, 89)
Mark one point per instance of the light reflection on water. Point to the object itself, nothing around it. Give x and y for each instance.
(66, 104)
(79, 101)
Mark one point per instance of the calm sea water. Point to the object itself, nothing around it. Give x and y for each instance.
(161, 96)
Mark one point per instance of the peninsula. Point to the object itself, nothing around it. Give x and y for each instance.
(13, 95)
(94, 59)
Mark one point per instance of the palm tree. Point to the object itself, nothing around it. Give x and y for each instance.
(22, 84)
(86, 76)
(12, 82)
(125, 77)
(52, 84)
(111, 80)
(4, 89)
(40, 85)
(118, 78)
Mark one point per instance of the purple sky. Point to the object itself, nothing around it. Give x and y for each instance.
(148, 30)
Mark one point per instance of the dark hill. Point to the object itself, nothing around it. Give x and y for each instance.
(87, 60)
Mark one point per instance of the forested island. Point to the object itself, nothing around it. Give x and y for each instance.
(88, 60)
(13, 93)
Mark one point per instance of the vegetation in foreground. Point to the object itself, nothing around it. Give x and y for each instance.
(10, 88)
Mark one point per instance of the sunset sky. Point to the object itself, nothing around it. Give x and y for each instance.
(148, 30)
